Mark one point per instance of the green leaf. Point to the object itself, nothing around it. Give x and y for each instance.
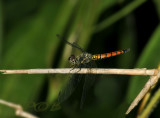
(118, 15)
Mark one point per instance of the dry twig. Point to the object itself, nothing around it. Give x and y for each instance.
(18, 108)
(142, 71)
(150, 83)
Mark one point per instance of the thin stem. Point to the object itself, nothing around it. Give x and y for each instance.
(151, 82)
(18, 108)
(142, 71)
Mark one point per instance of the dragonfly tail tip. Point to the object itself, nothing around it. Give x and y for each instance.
(127, 50)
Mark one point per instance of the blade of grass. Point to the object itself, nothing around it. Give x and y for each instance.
(118, 15)
(1, 30)
(30, 44)
(149, 108)
(157, 5)
(127, 37)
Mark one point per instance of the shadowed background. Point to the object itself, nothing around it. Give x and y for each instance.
(28, 40)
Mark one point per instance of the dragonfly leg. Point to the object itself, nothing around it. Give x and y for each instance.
(73, 67)
(79, 68)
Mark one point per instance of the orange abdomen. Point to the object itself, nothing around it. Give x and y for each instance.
(110, 54)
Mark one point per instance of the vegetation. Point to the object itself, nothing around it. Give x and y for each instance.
(28, 40)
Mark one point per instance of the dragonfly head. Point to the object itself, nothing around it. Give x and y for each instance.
(72, 59)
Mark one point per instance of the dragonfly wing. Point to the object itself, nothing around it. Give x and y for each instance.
(89, 81)
(78, 47)
(69, 88)
(71, 44)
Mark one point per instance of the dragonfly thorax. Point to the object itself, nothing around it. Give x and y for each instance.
(81, 59)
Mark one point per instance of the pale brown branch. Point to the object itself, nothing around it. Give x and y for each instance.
(151, 82)
(18, 108)
(141, 71)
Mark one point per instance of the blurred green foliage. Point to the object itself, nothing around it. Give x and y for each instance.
(28, 39)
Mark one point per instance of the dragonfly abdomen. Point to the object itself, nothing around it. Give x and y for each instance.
(110, 54)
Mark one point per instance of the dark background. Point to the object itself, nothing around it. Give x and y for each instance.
(28, 40)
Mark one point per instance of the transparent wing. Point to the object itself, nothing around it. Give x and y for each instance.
(73, 82)
(71, 85)
(89, 81)
(78, 47)
(75, 45)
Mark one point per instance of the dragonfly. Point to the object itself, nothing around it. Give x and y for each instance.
(84, 60)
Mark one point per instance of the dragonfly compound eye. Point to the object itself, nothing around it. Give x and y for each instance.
(72, 59)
